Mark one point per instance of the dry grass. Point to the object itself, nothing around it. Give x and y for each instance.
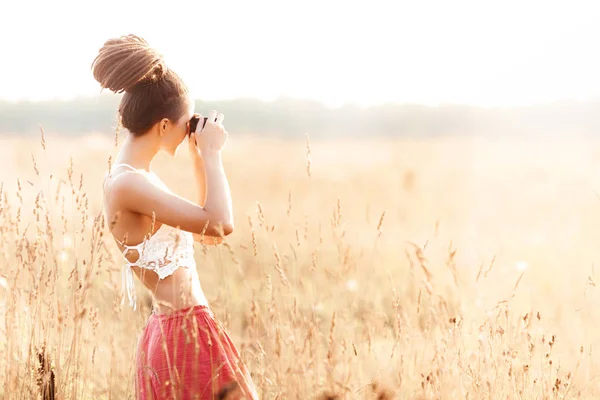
(363, 270)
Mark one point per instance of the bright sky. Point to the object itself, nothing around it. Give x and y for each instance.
(481, 52)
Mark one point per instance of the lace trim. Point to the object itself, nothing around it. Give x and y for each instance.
(128, 283)
(163, 257)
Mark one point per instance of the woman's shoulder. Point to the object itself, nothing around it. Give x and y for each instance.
(124, 183)
(133, 185)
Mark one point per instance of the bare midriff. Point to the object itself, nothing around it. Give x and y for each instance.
(179, 290)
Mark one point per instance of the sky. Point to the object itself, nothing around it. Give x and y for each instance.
(485, 53)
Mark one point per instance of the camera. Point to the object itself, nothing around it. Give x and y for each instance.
(194, 122)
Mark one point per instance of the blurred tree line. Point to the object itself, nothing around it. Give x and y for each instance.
(292, 118)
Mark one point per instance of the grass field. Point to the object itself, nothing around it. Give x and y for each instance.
(421, 269)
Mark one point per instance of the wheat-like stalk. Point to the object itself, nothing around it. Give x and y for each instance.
(324, 314)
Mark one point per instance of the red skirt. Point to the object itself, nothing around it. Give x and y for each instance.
(188, 355)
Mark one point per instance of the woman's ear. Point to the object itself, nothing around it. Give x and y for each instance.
(162, 126)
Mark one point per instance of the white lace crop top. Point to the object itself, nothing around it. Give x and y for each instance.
(163, 252)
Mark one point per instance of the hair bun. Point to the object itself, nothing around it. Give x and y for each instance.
(127, 61)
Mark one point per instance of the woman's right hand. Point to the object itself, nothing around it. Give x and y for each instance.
(213, 136)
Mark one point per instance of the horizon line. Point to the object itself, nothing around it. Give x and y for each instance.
(568, 101)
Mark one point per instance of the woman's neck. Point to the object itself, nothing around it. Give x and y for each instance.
(138, 151)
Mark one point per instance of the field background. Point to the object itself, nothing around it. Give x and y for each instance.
(478, 281)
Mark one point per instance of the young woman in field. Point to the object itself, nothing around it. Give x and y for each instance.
(183, 352)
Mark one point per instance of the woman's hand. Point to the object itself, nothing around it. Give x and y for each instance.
(208, 139)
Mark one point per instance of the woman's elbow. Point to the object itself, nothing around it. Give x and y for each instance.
(224, 228)
(227, 228)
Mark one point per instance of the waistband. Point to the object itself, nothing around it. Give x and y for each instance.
(181, 313)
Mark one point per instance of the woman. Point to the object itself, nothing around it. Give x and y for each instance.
(183, 352)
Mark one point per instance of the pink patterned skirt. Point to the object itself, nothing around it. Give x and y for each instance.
(187, 354)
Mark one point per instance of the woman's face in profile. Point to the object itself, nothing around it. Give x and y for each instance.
(178, 130)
